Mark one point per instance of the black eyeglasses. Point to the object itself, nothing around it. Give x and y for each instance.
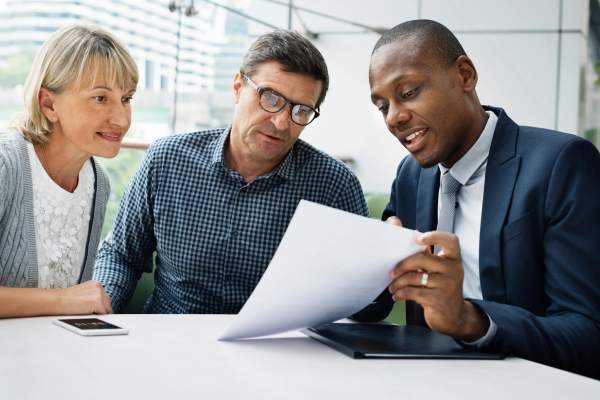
(273, 102)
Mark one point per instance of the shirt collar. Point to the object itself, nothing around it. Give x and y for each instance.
(285, 169)
(477, 155)
(218, 155)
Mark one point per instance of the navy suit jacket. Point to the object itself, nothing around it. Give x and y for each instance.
(539, 246)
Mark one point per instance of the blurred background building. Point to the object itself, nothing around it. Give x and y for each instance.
(207, 40)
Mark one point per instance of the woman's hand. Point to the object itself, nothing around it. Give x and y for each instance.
(86, 298)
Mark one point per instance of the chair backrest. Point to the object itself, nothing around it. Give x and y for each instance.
(142, 292)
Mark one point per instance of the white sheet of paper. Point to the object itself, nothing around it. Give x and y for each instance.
(330, 264)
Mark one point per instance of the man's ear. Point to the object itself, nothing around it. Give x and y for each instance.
(46, 100)
(468, 73)
(237, 86)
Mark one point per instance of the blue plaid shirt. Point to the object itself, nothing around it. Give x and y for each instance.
(214, 235)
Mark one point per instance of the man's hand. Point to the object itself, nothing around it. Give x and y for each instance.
(86, 298)
(441, 296)
(394, 221)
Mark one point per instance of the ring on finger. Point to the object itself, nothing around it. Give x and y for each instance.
(424, 279)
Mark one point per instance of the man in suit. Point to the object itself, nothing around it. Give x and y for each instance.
(511, 213)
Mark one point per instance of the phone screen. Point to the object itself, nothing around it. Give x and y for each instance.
(89, 323)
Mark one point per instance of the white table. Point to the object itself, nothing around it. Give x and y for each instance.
(178, 357)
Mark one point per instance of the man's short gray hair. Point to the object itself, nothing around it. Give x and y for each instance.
(293, 51)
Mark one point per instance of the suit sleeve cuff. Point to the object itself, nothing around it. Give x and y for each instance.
(485, 339)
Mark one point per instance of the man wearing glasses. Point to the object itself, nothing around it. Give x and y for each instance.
(214, 205)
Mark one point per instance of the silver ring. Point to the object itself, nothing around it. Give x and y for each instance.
(424, 279)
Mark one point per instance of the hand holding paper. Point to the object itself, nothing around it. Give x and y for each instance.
(329, 265)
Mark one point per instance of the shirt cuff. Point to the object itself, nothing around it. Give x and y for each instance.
(485, 339)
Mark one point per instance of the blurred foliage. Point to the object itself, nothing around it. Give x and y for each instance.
(17, 67)
(592, 135)
(376, 203)
(398, 314)
(120, 170)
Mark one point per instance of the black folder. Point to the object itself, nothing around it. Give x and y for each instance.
(393, 341)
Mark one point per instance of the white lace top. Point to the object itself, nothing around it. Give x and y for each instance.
(61, 221)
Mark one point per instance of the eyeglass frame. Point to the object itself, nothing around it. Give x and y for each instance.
(260, 90)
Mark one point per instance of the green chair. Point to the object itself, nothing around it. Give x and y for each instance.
(143, 290)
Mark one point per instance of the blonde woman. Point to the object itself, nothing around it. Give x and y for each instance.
(53, 193)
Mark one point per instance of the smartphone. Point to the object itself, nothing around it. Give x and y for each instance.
(90, 326)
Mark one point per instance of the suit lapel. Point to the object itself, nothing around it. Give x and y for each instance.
(501, 174)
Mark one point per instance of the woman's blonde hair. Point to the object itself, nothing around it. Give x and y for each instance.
(73, 55)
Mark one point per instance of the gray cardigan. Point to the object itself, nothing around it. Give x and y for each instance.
(18, 254)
